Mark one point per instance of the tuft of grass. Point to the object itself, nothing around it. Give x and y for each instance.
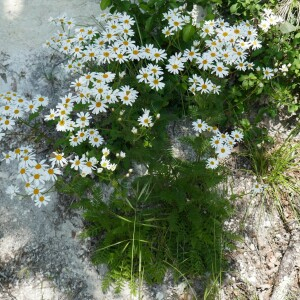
(283, 178)
(279, 168)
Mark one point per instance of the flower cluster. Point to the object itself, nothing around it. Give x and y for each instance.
(269, 73)
(176, 19)
(86, 165)
(14, 107)
(63, 21)
(109, 49)
(269, 19)
(222, 143)
(35, 174)
(226, 47)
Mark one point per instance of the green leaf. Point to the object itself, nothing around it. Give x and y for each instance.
(287, 27)
(123, 5)
(188, 32)
(245, 123)
(144, 7)
(33, 116)
(259, 90)
(105, 4)
(149, 24)
(257, 52)
(292, 108)
(252, 76)
(234, 8)
(152, 2)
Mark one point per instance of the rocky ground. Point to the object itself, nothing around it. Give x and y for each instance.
(41, 253)
(266, 262)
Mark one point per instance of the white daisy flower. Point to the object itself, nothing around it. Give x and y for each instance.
(41, 200)
(156, 83)
(145, 120)
(96, 140)
(268, 73)
(51, 174)
(223, 151)
(77, 163)
(237, 135)
(199, 126)
(58, 159)
(105, 152)
(258, 188)
(212, 163)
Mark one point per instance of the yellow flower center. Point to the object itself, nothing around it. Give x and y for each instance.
(58, 157)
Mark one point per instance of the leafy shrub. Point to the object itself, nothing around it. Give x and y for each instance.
(139, 69)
